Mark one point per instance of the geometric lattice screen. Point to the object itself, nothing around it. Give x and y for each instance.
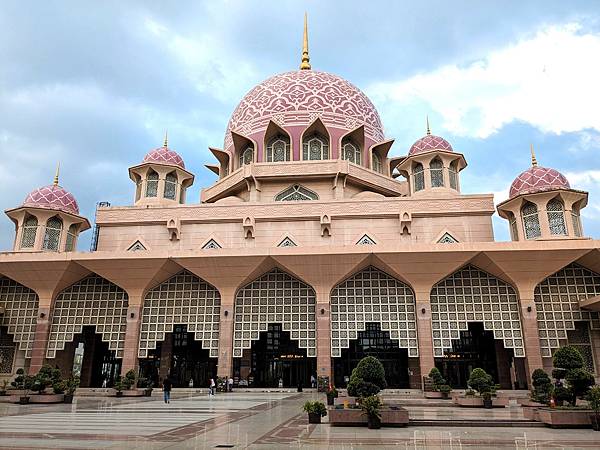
(91, 301)
(20, 313)
(373, 296)
(275, 297)
(557, 303)
(472, 295)
(184, 299)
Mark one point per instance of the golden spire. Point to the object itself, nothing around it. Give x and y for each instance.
(166, 143)
(533, 160)
(56, 175)
(305, 64)
(428, 129)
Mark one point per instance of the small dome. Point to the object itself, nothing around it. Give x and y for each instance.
(164, 155)
(428, 143)
(52, 197)
(538, 179)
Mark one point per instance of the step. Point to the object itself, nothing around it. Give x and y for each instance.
(475, 423)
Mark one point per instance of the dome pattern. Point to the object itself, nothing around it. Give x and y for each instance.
(164, 155)
(298, 98)
(52, 197)
(428, 143)
(538, 179)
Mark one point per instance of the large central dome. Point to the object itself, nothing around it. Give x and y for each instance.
(298, 98)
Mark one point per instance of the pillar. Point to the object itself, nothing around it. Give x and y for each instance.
(42, 332)
(531, 337)
(424, 335)
(132, 335)
(323, 324)
(226, 324)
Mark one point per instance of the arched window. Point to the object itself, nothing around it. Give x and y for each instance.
(247, 156)
(531, 221)
(315, 147)
(453, 175)
(71, 235)
(556, 217)
(295, 193)
(52, 235)
(351, 152)
(576, 218)
(514, 233)
(419, 177)
(278, 149)
(376, 163)
(171, 186)
(152, 184)
(29, 231)
(436, 171)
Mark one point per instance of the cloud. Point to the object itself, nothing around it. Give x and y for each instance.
(547, 80)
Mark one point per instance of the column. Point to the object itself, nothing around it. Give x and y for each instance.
(132, 335)
(323, 332)
(531, 337)
(424, 335)
(226, 324)
(42, 330)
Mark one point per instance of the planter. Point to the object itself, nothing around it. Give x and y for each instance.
(314, 418)
(487, 403)
(330, 400)
(433, 394)
(374, 422)
(46, 398)
(148, 393)
(531, 414)
(564, 418)
(68, 398)
(23, 400)
(346, 401)
(595, 421)
(445, 395)
(390, 417)
(119, 394)
(470, 401)
(130, 393)
(527, 403)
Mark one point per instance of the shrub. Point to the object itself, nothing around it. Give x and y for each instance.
(59, 387)
(542, 386)
(129, 379)
(445, 389)
(71, 384)
(315, 407)
(481, 381)
(579, 381)
(593, 398)
(47, 376)
(368, 378)
(332, 392)
(568, 357)
(561, 393)
(436, 378)
(371, 406)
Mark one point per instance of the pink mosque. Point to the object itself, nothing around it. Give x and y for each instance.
(314, 248)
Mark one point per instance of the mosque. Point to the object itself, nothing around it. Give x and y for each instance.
(313, 248)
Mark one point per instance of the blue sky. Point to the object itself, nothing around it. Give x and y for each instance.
(95, 84)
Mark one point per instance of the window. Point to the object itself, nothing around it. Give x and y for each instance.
(447, 238)
(514, 233)
(170, 186)
(531, 221)
(211, 245)
(29, 231)
(556, 217)
(278, 149)
(247, 156)
(453, 175)
(376, 163)
(575, 217)
(52, 235)
(365, 240)
(419, 177)
(71, 236)
(287, 242)
(152, 184)
(315, 147)
(436, 171)
(351, 152)
(296, 193)
(136, 247)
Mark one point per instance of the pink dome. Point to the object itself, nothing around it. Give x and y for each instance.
(164, 155)
(52, 197)
(298, 98)
(538, 179)
(430, 142)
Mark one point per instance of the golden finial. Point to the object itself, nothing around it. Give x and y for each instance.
(305, 64)
(166, 143)
(56, 175)
(533, 159)
(428, 129)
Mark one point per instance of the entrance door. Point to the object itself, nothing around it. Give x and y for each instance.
(189, 361)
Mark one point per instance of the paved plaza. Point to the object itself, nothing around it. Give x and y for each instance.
(264, 420)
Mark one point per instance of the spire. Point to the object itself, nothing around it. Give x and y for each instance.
(305, 64)
(533, 159)
(166, 143)
(428, 129)
(56, 175)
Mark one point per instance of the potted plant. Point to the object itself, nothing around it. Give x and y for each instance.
(71, 384)
(315, 411)
(23, 383)
(147, 384)
(129, 379)
(371, 407)
(593, 399)
(483, 383)
(445, 391)
(542, 387)
(119, 386)
(561, 393)
(367, 378)
(332, 394)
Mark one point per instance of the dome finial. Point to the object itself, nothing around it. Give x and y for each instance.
(428, 129)
(166, 143)
(56, 174)
(305, 64)
(533, 159)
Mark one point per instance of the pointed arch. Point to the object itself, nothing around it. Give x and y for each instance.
(30, 226)
(296, 192)
(531, 220)
(436, 172)
(277, 144)
(52, 234)
(316, 142)
(152, 183)
(556, 217)
(20, 306)
(170, 191)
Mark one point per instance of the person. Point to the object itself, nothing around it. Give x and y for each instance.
(167, 385)
(230, 384)
(191, 383)
(313, 381)
(281, 382)
(212, 387)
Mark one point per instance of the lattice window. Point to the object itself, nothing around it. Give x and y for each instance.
(419, 177)
(296, 193)
(20, 313)
(29, 231)
(531, 221)
(580, 339)
(7, 352)
(472, 295)
(152, 184)
(211, 244)
(183, 299)
(171, 186)
(365, 240)
(376, 162)
(275, 297)
(91, 301)
(556, 217)
(557, 302)
(315, 147)
(52, 234)
(71, 237)
(287, 242)
(453, 175)
(576, 219)
(136, 247)
(351, 152)
(246, 157)
(514, 231)
(373, 296)
(447, 238)
(436, 172)
(278, 149)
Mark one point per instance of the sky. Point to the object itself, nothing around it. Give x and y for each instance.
(94, 85)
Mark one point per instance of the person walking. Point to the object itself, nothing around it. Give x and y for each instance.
(230, 384)
(167, 385)
(313, 381)
(212, 387)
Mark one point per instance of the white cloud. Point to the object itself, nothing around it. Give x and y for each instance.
(547, 80)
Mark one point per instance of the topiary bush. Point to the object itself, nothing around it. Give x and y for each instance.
(436, 378)
(580, 380)
(542, 386)
(129, 379)
(367, 379)
(569, 365)
(568, 357)
(481, 381)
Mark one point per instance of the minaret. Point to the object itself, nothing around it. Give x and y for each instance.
(305, 64)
